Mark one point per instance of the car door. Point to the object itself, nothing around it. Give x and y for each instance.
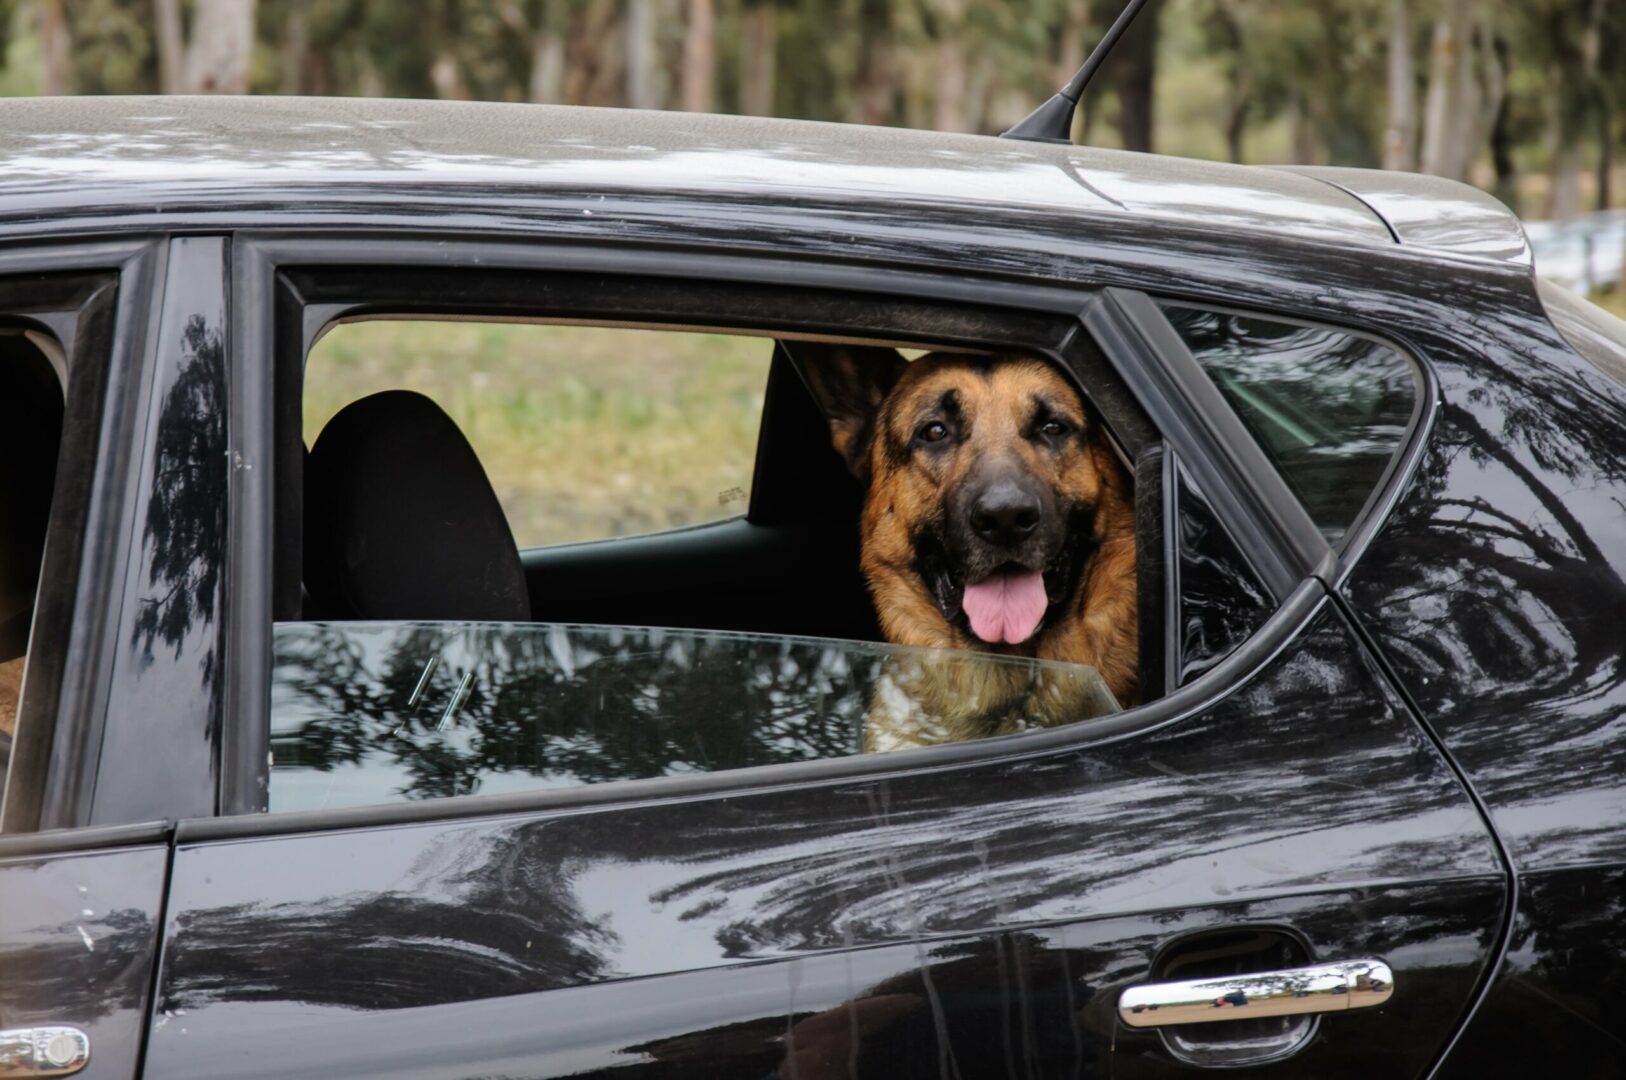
(80, 908)
(972, 909)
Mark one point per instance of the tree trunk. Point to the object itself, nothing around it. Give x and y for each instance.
(643, 83)
(295, 49)
(1501, 134)
(594, 72)
(1136, 56)
(1593, 66)
(759, 31)
(699, 57)
(875, 98)
(1075, 21)
(56, 65)
(222, 46)
(1565, 198)
(979, 89)
(1480, 86)
(1236, 123)
(171, 47)
(1231, 41)
(1301, 133)
(1400, 137)
(948, 100)
(547, 82)
(1444, 113)
(446, 76)
(1606, 154)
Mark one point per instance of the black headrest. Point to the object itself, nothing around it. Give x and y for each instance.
(30, 431)
(401, 521)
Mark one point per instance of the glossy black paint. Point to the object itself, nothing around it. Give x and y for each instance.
(167, 670)
(277, 946)
(1496, 591)
(78, 939)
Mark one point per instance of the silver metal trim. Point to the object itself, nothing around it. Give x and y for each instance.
(43, 1051)
(1318, 988)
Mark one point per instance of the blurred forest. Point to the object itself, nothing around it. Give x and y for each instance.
(1525, 97)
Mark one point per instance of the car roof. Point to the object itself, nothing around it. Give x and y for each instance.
(105, 154)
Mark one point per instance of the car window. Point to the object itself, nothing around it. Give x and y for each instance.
(1330, 408)
(31, 409)
(365, 713)
(586, 432)
(418, 655)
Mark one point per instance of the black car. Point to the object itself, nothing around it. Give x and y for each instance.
(463, 800)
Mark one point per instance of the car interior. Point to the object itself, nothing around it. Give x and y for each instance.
(787, 566)
(31, 411)
(391, 474)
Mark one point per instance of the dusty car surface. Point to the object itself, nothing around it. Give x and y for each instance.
(291, 797)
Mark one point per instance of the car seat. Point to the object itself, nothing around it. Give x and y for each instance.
(401, 522)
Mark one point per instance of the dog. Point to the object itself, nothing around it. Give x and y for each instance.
(998, 517)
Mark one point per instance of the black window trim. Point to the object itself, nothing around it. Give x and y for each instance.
(1248, 494)
(59, 733)
(257, 262)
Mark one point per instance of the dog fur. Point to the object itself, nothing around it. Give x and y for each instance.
(876, 403)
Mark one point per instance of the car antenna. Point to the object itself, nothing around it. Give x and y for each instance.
(1053, 121)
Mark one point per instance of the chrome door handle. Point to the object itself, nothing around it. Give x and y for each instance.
(1318, 988)
(43, 1051)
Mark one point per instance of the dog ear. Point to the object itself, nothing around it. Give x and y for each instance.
(849, 382)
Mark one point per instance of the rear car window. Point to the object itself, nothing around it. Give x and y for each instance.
(1330, 408)
(586, 432)
(366, 713)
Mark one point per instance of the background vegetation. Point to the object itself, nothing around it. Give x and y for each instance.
(1526, 97)
(586, 432)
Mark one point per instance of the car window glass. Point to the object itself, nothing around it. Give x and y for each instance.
(586, 432)
(1590, 330)
(1330, 408)
(1221, 600)
(365, 713)
(31, 409)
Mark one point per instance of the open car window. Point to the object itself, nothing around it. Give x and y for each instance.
(366, 713)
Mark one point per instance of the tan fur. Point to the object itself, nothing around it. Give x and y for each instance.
(923, 700)
(11, 685)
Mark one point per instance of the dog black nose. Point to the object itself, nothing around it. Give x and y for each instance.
(1005, 514)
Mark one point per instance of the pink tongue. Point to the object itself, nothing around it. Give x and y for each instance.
(1006, 606)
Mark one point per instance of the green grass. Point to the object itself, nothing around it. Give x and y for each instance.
(586, 432)
(1612, 300)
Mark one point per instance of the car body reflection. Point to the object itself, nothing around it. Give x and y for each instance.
(379, 712)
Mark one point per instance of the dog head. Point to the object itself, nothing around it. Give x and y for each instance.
(990, 489)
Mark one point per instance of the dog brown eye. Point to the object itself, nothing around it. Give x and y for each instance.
(936, 431)
(1054, 429)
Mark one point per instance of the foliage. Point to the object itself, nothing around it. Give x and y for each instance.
(1257, 80)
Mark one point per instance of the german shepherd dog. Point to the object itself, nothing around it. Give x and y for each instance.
(996, 517)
